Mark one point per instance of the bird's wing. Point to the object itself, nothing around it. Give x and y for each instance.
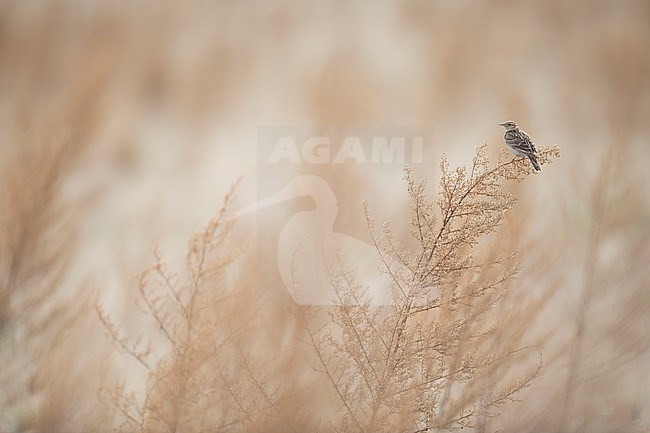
(527, 142)
(520, 141)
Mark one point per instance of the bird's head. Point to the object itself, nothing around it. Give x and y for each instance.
(509, 125)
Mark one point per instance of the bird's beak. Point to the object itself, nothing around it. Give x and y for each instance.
(502, 124)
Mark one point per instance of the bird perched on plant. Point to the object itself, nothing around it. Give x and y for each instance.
(520, 143)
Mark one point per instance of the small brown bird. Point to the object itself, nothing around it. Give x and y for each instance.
(520, 143)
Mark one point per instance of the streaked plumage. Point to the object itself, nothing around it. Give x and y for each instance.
(520, 143)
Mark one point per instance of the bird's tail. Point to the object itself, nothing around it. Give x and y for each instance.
(533, 160)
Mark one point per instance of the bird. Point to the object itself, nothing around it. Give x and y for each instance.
(520, 143)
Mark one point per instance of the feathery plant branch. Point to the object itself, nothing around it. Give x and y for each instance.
(176, 305)
(208, 368)
(439, 358)
(423, 363)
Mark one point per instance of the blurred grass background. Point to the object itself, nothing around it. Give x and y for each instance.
(151, 111)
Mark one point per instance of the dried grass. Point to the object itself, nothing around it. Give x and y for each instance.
(441, 357)
(463, 338)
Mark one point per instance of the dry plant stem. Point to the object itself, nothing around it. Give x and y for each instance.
(174, 308)
(382, 360)
(263, 389)
(450, 213)
(417, 366)
(208, 375)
